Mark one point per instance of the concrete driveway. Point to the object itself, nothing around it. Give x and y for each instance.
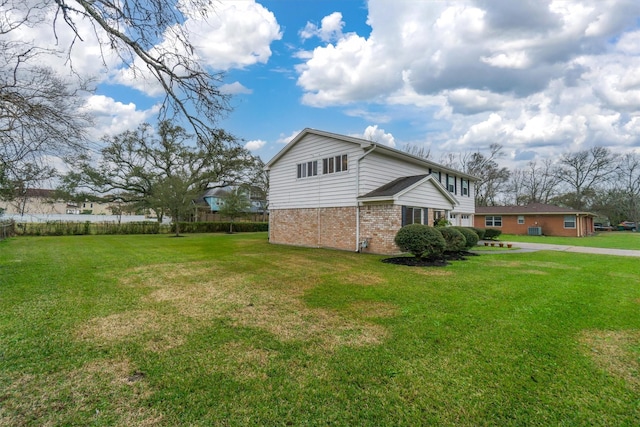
(530, 247)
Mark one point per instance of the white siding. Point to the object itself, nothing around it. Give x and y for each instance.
(339, 189)
(425, 196)
(331, 190)
(377, 170)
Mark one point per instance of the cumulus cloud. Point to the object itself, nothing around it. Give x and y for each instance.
(379, 136)
(255, 145)
(330, 28)
(236, 35)
(112, 117)
(551, 75)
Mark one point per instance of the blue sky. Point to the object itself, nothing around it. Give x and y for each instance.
(538, 77)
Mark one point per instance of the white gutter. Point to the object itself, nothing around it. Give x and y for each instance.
(374, 146)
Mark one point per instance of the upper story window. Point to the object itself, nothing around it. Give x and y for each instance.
(307, 169)
(465, 187)
(335, 164)
(493, 221)
(451, 184)
(569, 221)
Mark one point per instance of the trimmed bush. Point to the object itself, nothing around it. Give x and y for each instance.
(492, 233)
(455, 240)
(479, 231)
(420, 240)
(469, 235)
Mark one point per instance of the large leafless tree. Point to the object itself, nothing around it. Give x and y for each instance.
(583, 172)
(39, 110)
(535, 183)
(492, 178)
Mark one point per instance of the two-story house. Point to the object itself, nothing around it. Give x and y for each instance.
(335, 191)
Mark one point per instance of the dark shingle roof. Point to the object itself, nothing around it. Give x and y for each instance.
(394, 187)
(533, 208)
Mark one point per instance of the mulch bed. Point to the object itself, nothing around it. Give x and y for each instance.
(412, 261)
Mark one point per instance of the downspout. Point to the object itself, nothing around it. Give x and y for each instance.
(358, 195)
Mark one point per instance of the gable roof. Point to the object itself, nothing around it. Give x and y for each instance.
(399, 186)
(365, 144)
(533, 208)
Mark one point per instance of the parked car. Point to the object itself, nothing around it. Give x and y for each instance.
(601, 227)
(627, 225)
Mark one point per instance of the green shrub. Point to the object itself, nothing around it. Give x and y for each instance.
(221, 227)
(479, 231)
(455, 240)
(469, 235)
(420, 240)
(492, 233)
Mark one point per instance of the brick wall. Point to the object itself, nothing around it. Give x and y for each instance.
(552, 225)
(379, 224)
(314, 227)
(336, 227)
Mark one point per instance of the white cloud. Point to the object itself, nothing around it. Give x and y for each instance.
(236, 35)
(255, 145)
(235, 88)
(284, 139)
(112, 117)
(379, 136)
(330, 28)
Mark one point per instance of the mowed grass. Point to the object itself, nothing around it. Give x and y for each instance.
(229, 330)
(604, 239)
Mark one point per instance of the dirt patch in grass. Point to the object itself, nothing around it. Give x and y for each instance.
(617, 352)
(102, 390)
(206, 290)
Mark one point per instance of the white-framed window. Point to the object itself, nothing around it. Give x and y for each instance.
(413, 215)
(493, 221)
(307, 169)
(520, 219)
(335, 164)
(569, 221)
(465, 187)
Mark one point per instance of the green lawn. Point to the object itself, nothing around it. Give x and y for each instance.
(605, 239)
(227, 330)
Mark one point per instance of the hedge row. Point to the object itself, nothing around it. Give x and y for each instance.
(221, 227)
(71, 228)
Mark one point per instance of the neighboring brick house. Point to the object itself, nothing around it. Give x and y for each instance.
(335, 191)
(536, 219)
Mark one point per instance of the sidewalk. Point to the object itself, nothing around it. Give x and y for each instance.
(531, 247)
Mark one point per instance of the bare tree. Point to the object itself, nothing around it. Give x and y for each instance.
(150, 40)
(418, 151)
(40, 116)
(537, 183)
(492, 177)
(628, 186)
(583, 172)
